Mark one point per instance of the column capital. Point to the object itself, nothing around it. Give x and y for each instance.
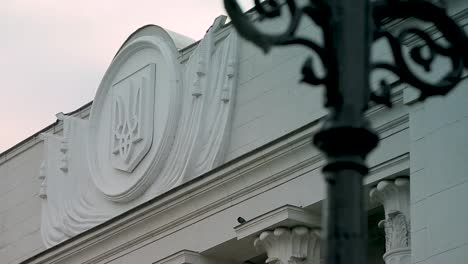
(394, 196)
(297, 245)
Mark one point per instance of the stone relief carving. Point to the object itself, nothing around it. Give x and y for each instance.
(69, 206)
(154, 124)
(132, 130)
(63, 148)
(298, 245)
(394, 196)
(397, 233)
(42, 178)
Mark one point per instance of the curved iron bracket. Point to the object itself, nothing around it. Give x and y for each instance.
(320, 13)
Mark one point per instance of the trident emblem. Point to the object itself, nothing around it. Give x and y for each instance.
(127, 123)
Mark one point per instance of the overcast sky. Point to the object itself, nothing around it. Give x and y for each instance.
(53, 53)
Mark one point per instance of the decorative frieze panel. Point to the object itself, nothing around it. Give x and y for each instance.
(394, 196)
(63, 147)
(42, 178)
(146, 134)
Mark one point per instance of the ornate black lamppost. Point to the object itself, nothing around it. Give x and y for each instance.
(348, 29)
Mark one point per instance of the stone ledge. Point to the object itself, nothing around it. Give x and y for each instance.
(285, 216)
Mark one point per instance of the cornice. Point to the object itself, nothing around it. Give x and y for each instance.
(180, 195)
(217, 178)
(54, 128)
(461, 18)
(182, 257)
(285, 216)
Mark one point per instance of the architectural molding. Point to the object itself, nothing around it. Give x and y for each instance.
(296, 245)
(461, 18)
(287, 215)
(42, 178)
(198, 187)
(145, 134)
(188, 257)
(295, 144)
(401, 255)
(398, 124)
(288, 234)
(395, 167)
(159, 116)
(163, 192)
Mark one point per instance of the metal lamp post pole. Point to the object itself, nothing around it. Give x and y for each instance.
(346, 138)
(348, 29)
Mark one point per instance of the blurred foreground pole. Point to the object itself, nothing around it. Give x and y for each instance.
(346, 138)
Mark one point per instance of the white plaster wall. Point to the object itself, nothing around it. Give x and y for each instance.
(213, 228)
(20, 206)
(439, 173)
(270, 102)
(218, 228)
(439, 188)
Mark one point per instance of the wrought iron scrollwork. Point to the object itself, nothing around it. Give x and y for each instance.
(320, 13)
(455, 48)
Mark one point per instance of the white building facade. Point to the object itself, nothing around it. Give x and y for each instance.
(201, 154)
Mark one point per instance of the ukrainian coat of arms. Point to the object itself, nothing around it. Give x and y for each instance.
(132, 128)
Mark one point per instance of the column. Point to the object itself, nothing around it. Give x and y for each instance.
(297, 245)
(394, 195)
